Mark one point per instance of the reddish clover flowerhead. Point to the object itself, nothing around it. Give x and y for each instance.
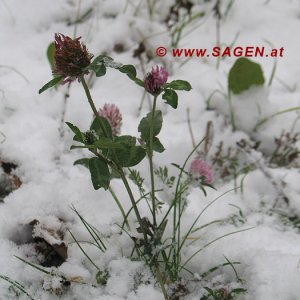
(200, 169)
(113, 115)
(155, 79)
(70, 58)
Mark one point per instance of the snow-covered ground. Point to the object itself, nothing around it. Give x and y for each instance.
(268, 203)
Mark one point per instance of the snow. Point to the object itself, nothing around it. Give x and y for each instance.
(268, 252)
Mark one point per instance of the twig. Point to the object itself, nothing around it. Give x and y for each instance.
(190, 127)
(209, 137)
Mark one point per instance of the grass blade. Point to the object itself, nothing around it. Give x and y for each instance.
(86, 255)
(91, 231)
(198, 217)
(17, 285)
(33, 265)
(211, 242)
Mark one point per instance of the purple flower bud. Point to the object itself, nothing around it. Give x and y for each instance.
(71, 58)
(201, 170)
(112, 114)
(154, 80)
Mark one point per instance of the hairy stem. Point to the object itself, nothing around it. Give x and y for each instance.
(113, 164)
(150, 155)
(135, 208)
(120, 206)
(64, 109)
(92, 105)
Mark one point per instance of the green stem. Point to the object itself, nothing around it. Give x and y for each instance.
(161, 282)
(150, 155)
(135, 208)
(114, 165)
(120, 206)
(178, 226)
(174, 206)
(151, 5)
(92, 105)
(174, 233)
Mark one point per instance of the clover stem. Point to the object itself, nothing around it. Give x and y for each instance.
(92, 105)
(120, 206)
(150, 155)
(120, 170)
(133, 202)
